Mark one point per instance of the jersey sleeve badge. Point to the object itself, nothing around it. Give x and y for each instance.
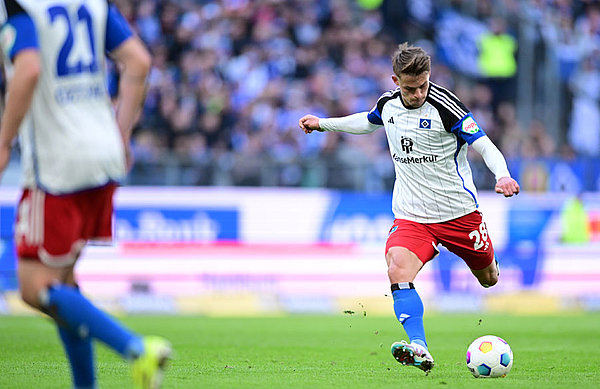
(470, 126)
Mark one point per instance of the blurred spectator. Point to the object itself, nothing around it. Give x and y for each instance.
(497, 62)
(575, 222)
(584, 132)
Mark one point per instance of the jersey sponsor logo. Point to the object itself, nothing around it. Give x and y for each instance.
(407, 144)
(411, 160)
(79, 93)
(391, 120)
(469, 125)
(425, 124)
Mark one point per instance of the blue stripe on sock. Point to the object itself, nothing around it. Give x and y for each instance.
(409, 311)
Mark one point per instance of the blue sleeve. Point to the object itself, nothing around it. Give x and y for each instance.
(117, 29)
(19, 33)
(467, 129)
(374, 116)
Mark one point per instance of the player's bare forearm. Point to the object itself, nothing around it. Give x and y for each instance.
(507, 186)
(19, 97)
(134, 61)
(309, 123)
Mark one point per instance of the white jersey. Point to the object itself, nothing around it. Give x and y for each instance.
(69, 139)
(429, 149)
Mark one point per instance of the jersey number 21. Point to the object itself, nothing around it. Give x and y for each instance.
(76, 55)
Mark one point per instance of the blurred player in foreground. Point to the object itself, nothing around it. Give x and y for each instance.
(74, 150)
(434, 200)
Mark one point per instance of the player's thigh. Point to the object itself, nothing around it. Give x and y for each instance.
(403, 264)
(412, 236)
(468, 238)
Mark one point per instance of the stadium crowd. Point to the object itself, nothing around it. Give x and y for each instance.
(231, 78)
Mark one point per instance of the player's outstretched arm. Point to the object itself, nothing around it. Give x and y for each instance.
(497, 164)
(19, 95)
(357, 123)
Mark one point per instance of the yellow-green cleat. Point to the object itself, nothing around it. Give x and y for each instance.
(148, 368)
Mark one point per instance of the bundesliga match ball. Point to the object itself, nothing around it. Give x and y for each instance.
(489, 357)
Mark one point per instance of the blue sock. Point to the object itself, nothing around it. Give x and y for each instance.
(80, 352)
(81, 357)
(71, 310)
(409, 311)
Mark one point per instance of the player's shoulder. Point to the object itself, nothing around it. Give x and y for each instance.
(392, 93)
(444, 100)
(387, 96)
(441, 91)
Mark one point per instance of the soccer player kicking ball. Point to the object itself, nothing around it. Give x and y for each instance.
(74, 149)
(434, 200)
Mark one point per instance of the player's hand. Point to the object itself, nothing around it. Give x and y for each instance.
(507, 186)
(309, 123)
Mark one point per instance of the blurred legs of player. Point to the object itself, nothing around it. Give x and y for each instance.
(51, 231)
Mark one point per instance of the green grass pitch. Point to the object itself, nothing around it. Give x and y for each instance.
(339, 351)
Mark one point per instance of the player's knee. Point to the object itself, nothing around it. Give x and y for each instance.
(394, 271)
(488, 280)
(35, 295)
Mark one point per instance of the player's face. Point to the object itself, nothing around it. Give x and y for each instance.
(413, 88)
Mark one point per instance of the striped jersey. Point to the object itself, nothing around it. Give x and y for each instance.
(69, 139)
(429, 145)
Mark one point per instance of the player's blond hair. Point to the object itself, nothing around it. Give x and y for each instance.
(411, 60)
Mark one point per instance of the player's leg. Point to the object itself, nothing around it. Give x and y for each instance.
(78, 317)
(54, 228)
(34, 278)
(41, 289)
(405, 241)
(403, 267)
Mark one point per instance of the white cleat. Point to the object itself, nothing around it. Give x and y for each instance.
(413, 354)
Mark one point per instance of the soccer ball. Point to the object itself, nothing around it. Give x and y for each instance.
(489, 356)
